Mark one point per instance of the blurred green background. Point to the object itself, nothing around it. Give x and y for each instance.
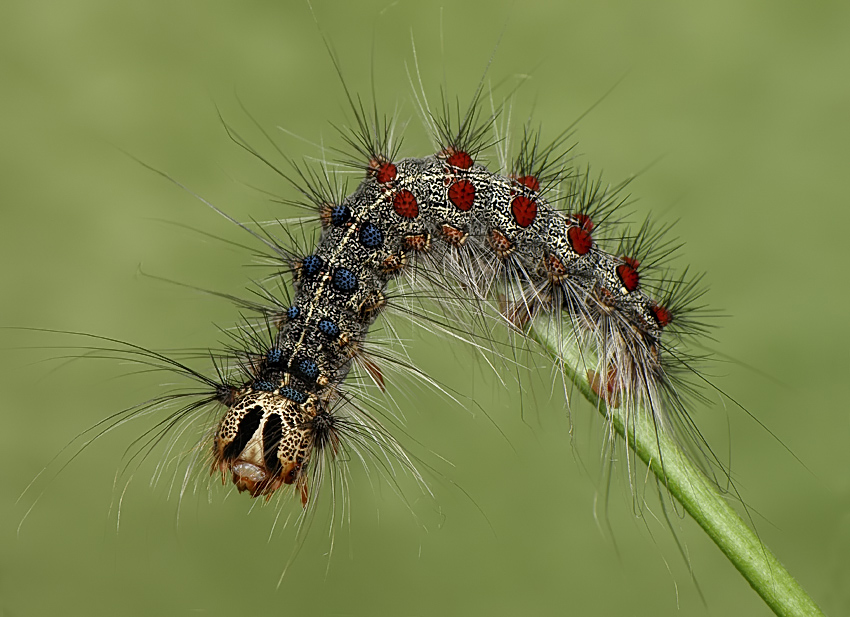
(747, 105)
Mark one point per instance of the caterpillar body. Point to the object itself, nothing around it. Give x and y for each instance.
(499, 235)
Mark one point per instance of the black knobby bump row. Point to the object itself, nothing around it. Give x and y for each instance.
(344, 280)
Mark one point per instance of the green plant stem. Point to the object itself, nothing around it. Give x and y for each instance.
(687, 483)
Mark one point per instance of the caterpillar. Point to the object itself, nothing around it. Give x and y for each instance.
(202, 319)
(435, 218)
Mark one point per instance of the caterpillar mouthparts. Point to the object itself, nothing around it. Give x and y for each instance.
(265, 441)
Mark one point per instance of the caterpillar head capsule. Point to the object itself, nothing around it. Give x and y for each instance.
(265, 440)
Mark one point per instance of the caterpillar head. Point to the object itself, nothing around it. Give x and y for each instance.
(265, 441)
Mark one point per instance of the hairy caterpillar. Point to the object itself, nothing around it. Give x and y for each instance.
(188, 326)
(440, 218)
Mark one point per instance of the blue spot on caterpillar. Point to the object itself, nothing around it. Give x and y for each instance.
(311, 266)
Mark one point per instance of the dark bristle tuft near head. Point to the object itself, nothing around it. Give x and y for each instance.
(323, 426)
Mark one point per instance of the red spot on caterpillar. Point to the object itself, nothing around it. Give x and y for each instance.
(580, 239)
(384, 171)
(524, 210)
(462, 194)
(458, 158)
(662, 315)
(404, 204)
(628, 275)
(583, 221)
(634, 263)
(530, 182)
